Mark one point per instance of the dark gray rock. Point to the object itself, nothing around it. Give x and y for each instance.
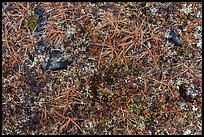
(58, 65)
(172, 37)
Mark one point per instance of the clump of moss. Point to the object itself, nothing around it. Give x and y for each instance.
(108, 76)
(32, 21)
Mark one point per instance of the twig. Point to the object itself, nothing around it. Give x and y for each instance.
(153, 58)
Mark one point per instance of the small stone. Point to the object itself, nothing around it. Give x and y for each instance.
(172, 37)
(57, 65)
(41, 46)
(55, 53)
(39, 11)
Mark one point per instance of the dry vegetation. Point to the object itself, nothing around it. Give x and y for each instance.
(126, 77)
